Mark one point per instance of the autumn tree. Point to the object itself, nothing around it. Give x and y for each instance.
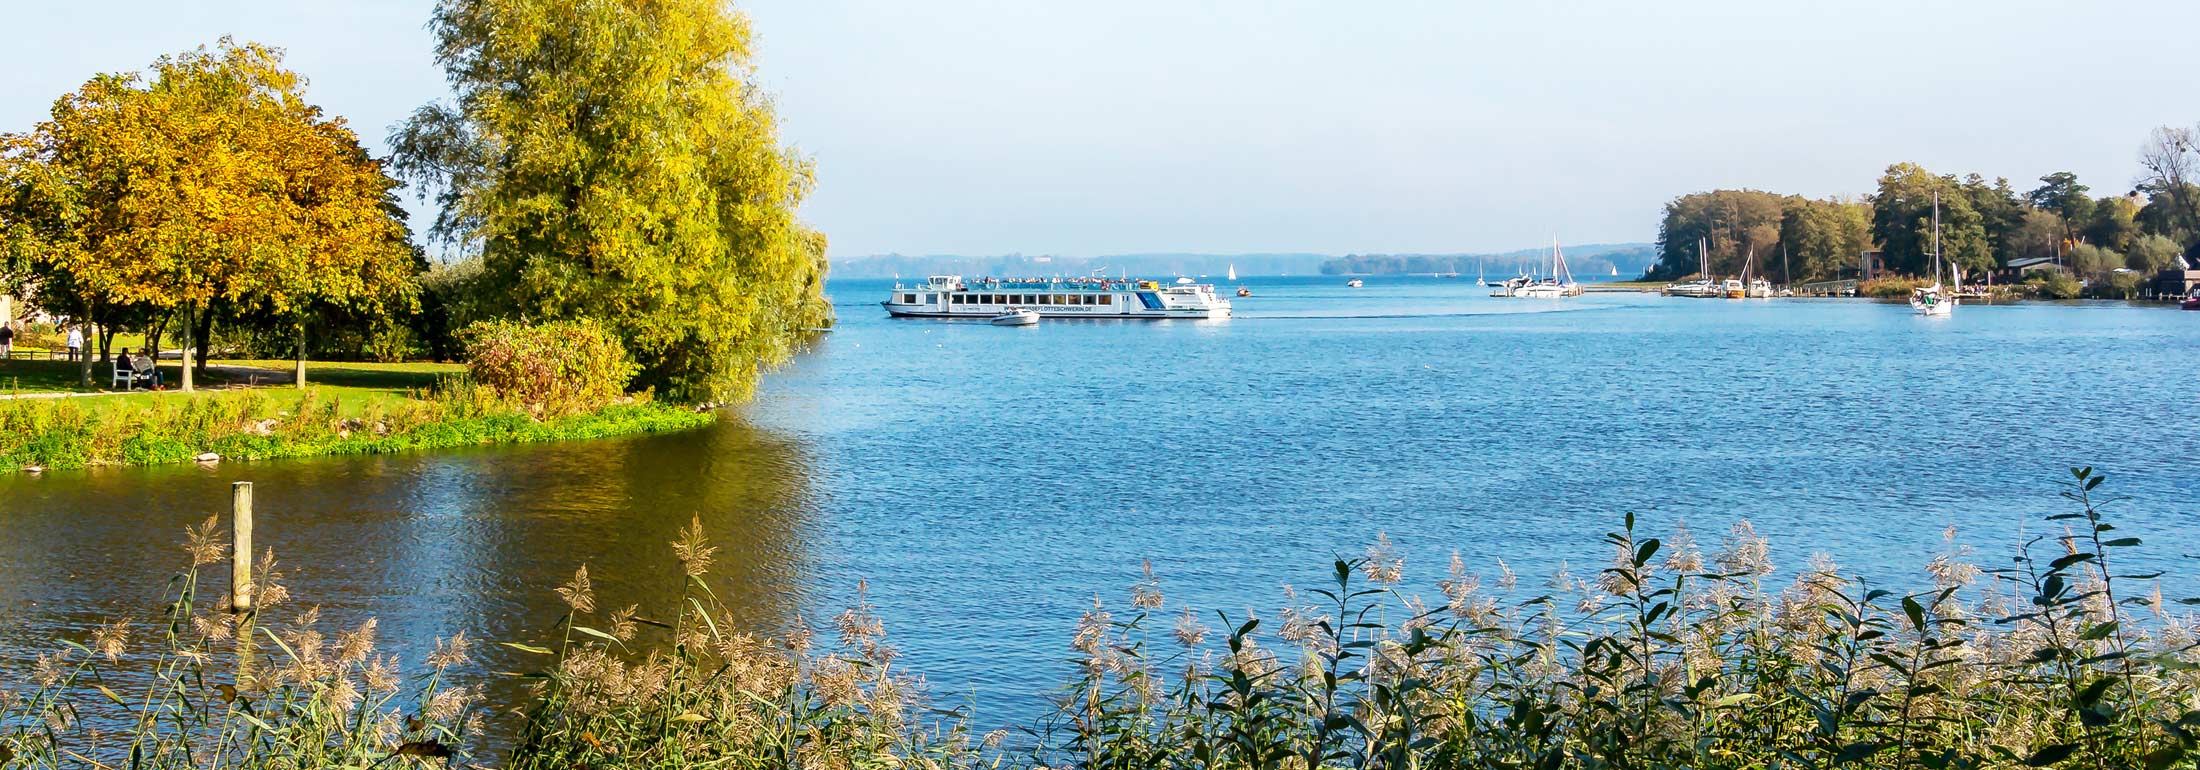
(211, 181)
(1732, 223)
(2114, 223)
(616, 161)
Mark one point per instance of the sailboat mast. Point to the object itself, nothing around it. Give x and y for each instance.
(1936, 237)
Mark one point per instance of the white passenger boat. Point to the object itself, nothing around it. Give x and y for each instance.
(1016, 316)
(949, 296)
(1355, 283)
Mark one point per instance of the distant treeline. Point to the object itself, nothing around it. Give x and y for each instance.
(1629, 259)
(1984, 225)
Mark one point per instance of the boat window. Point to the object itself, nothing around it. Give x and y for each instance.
(908, 299)
(1061, 299)
(1107, 299)
(1043, 300)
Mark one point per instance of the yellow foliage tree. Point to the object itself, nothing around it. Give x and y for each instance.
(211, 181)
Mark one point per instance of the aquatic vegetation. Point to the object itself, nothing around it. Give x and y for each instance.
(1672, 655)
(251, 425)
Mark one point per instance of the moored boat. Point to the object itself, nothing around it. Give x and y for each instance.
(1930, 300)
(2192, 301)
(1016, 316)
(950, 296)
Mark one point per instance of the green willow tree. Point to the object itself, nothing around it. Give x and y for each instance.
(615, 160)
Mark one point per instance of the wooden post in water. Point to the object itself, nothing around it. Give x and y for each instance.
(240, 534)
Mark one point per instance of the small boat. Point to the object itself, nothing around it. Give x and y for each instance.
(1559, 286)
(1244, 292)
(2192, 301)
(1355, 283)
(1760, 288)
(1733, 288)
(1233, 272)
(1930, 300)
(1016, 316)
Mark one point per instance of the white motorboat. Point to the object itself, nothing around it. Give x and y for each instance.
(1355, 283)
(1017, 316)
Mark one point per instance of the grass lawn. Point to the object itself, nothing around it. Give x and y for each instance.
(43, 376)
(397, 378)
(354, 385)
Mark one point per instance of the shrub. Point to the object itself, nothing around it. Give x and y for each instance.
(2116, 286)
(567, 367)
(1891, 287)
(2055, 285)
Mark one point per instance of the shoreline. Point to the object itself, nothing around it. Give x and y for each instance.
(40, 435)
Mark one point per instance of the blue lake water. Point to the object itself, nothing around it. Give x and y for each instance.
(990, 482)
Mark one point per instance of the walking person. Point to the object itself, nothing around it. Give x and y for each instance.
(7, 340)
(76, 342)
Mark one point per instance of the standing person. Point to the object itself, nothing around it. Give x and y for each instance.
(76, 342)
(7, 340)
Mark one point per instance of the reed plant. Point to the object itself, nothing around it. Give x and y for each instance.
(273, 688)
(1668, 656)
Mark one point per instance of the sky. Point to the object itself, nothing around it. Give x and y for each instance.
(1382, 126)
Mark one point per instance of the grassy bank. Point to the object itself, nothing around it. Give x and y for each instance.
(1670, 656)
(258, 424)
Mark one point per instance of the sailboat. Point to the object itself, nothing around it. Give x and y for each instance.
(1561, 283)
(1478, 274)
(1233, 272)
(1702, 287)
(1930, 301)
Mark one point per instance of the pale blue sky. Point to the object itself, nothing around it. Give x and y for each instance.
(1086, 128)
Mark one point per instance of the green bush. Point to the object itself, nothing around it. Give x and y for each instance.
(2054, 285)
(567, 367)
(2116, 286)
(1891, 287)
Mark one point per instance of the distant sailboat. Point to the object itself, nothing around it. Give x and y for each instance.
(1233, 272)
(1615, 271)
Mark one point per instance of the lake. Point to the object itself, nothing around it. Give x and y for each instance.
(990, 482)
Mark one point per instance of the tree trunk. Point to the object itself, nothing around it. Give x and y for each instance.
(204, 334)
(186, 332)
(152, 338)
(106, 344)
(299, 376)
(84, 354)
